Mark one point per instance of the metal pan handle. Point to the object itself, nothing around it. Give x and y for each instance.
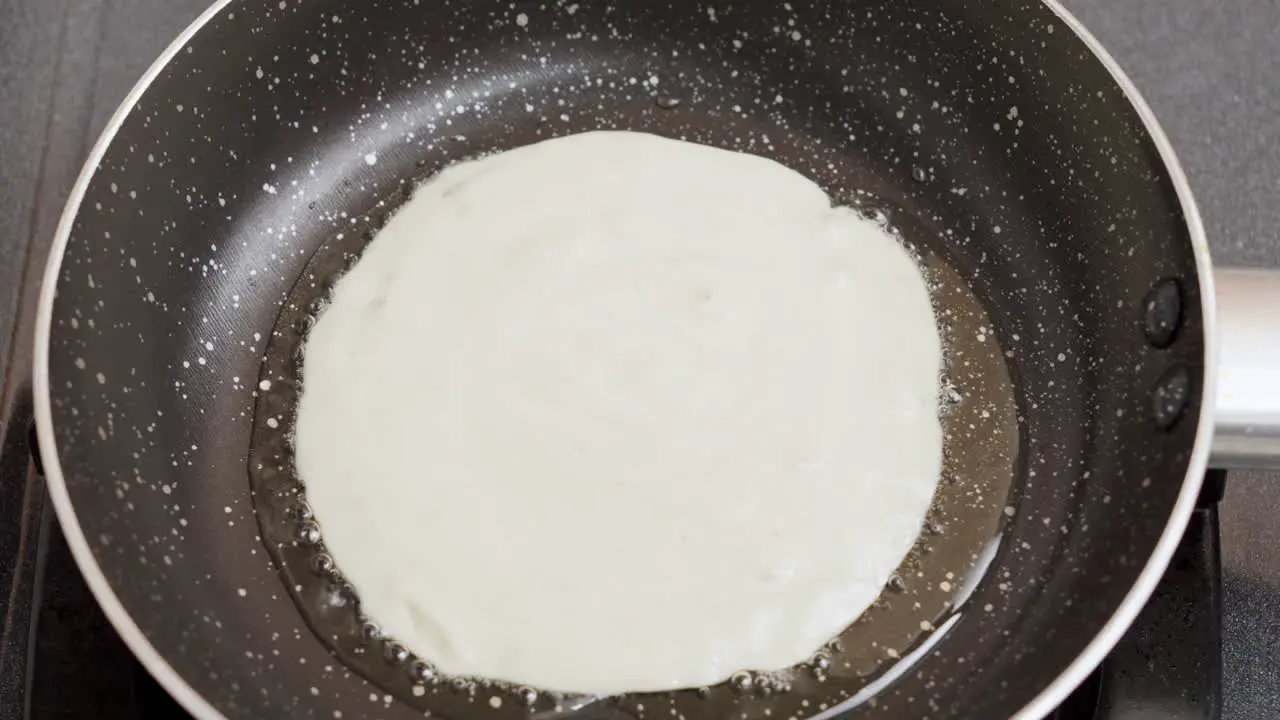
(1247, 420)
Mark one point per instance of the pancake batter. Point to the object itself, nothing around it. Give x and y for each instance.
(617, 413)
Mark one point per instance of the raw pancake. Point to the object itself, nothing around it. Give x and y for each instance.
(618, 413)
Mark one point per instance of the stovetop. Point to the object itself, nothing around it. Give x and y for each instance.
(1207, 68)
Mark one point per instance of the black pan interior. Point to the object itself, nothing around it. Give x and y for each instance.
(1014, 154)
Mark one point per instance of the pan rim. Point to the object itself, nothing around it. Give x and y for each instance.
(1049, 697)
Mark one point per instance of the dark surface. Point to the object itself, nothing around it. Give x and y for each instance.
(22, 501)
(1211, 90)
(1169, 664)
(66, 637)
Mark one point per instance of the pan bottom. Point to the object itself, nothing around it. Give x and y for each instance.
(931, 586)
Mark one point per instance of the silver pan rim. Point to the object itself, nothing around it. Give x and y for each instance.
(1047, 700)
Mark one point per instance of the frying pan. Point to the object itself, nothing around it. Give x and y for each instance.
(1071, 271)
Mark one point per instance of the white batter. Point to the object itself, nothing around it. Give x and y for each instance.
(617, 413)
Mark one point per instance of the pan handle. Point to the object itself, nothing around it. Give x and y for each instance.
(1247, 420)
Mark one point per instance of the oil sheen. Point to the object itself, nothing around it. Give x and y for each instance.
(616, 413)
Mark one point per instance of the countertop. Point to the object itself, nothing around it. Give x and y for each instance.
(1208, 68)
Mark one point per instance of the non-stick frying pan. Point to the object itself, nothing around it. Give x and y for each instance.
(247, 168)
